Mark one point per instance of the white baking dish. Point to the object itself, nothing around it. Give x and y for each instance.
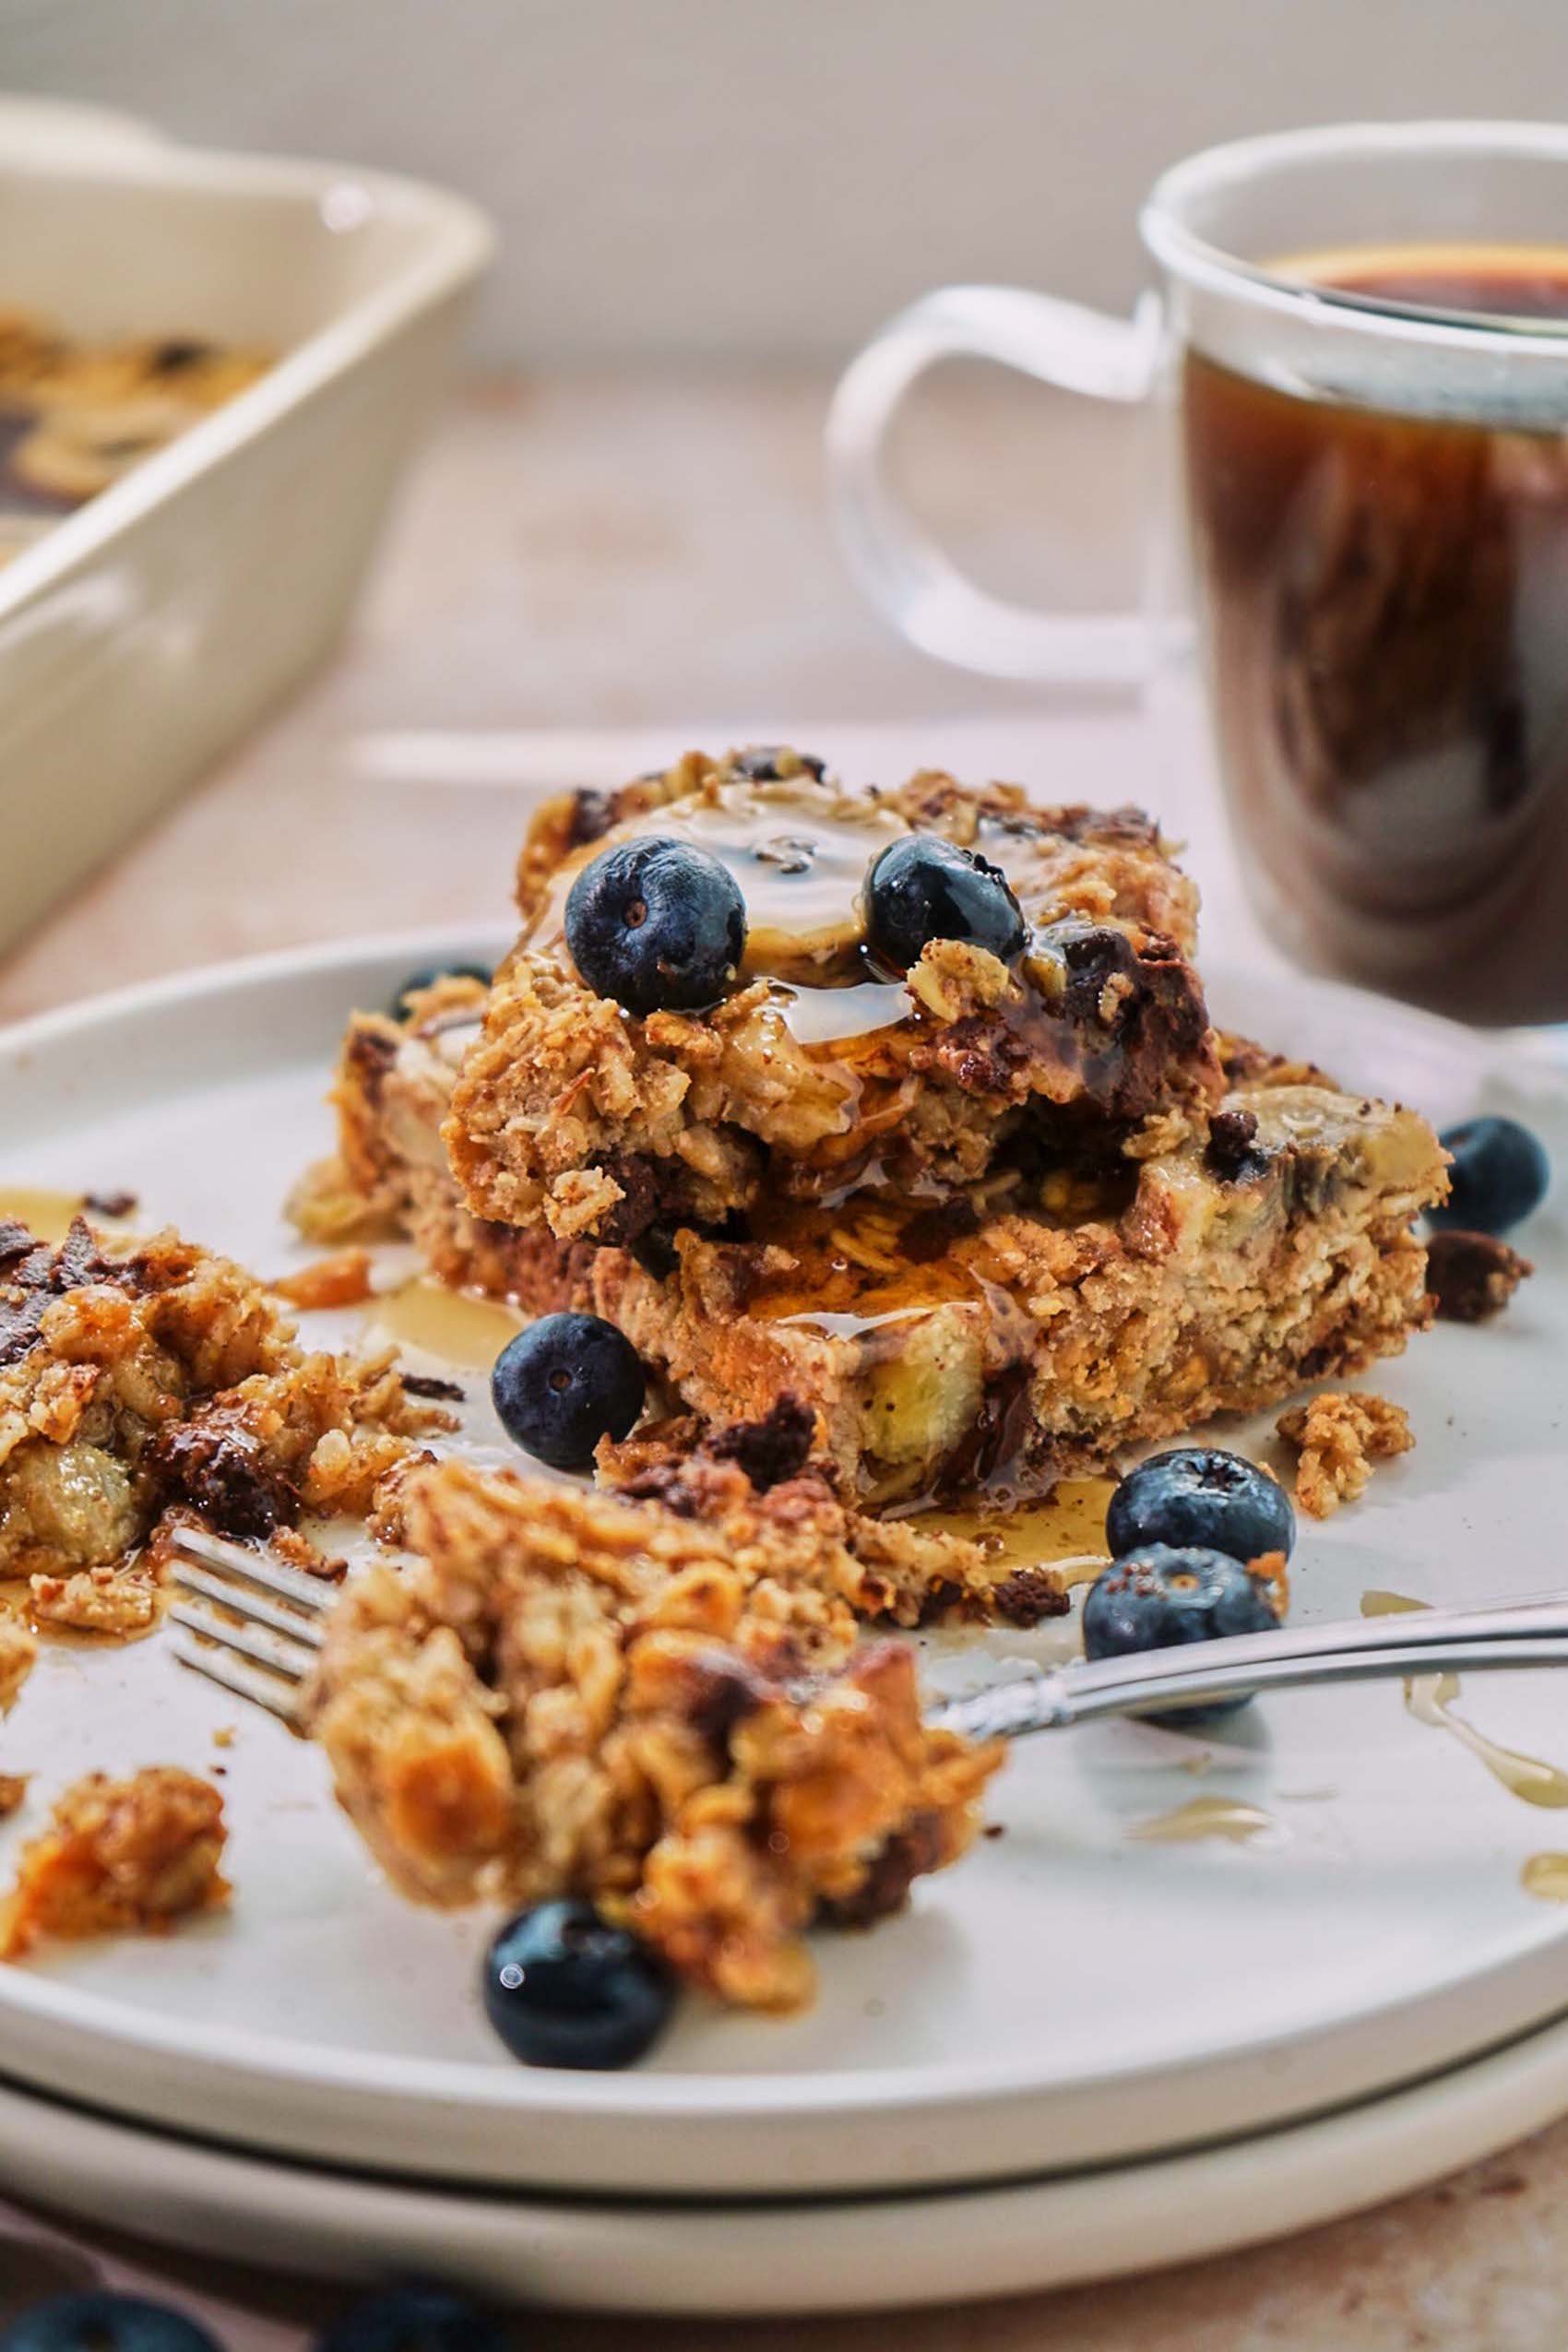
(147, 631)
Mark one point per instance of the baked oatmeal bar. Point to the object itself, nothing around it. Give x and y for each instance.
(118, 1855)
(1029, 1324)
(655, 1703)
(141, 1376)
(821, 1066)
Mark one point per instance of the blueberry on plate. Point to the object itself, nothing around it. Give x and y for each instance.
(565, 1382)
(101, 2322)
(658, 924)
(1500, 1172)
(401, 1004)
(564, 1988)
(1198, 1494)
(414, 2319)
(1163, 1596)
(922, 888)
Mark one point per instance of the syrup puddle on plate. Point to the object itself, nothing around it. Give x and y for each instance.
(1064, 1530)
(44, 1213)
(450, 1324)
(1546, 1877)
(1430, 1698)
(1201, 1817)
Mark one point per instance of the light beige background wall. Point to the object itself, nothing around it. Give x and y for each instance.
(746, 177)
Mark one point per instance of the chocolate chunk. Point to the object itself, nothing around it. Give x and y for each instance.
(111, 1203)
(369, 1054)
(721, 1693)
(215, 1464)
(443, 1392)
(759, 763)
(593, 814)
(15, 1241)
(770, 1451)
(996, 1434)
(652, 1193)
(1027, 1596)
(79, 1260)
(1472, 1276)
(1230, 1154)
(179, 353)
(907, 1855)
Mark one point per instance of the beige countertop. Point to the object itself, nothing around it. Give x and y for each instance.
(582, 573)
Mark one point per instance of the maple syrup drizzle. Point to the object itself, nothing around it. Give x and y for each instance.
(1201, 1817)
(1430, 1698)
(1546, 1877)
(800, 853)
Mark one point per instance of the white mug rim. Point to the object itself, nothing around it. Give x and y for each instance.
(1181, 250)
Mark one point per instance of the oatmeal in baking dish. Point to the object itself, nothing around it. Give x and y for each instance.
(76, 416)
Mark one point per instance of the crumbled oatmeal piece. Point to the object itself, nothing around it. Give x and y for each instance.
(1339, 1436)
(14, 1786)
(340, 1280)
(657, 1703)
(18, 1655)
(119, 1854)
(141, 1375)
(100, 1600)
(1271, 1570)
(1472, 1276)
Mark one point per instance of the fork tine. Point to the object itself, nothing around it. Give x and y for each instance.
(256, 1568)
(271, 1650)
(245, 1681)
(247, 1605)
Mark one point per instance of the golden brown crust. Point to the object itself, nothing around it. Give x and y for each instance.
(118, 1855)
(655, 1706)
(1339, 1438)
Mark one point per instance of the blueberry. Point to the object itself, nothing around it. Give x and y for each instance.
(1500, 1172)
(1199, 1495)
(101, 2322)
(414, 2319)
(658, 924)
(564, 1988)
(1163, 1596)
(922, 888)
(565, 1382)
(400, 1006)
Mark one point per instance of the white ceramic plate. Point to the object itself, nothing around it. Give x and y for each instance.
(1068, 1996)
(851, 2253)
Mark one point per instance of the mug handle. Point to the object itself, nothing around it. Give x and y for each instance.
(899, 566)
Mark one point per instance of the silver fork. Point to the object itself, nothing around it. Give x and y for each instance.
(254, 1625)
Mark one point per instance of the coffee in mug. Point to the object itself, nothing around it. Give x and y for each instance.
(1362, 352)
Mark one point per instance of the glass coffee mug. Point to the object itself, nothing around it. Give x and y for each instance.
(1359, 351)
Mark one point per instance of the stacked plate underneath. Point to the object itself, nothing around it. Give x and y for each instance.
(1083, 2049)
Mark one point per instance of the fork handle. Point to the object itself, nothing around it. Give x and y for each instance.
(1114, 1686)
